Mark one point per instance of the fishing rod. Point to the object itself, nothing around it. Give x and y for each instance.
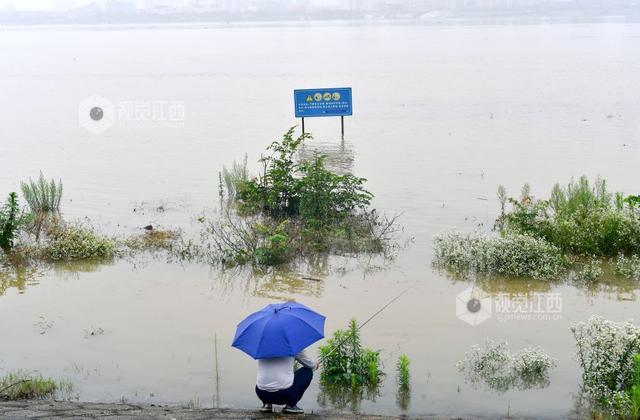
(335, 347)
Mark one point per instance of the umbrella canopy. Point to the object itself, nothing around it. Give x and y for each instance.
(279, 330)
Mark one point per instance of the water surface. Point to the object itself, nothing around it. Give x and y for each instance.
(442, 115)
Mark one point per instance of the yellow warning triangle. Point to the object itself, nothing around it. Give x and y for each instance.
(309, 98)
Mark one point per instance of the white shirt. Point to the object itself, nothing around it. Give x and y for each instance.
(277, 373)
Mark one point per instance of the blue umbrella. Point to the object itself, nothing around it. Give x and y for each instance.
(279, 330)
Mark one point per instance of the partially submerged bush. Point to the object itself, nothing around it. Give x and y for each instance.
(11, 220)
(579, 218)
(345, 362)
(305, 190)
(496, 367)
(42, 195)
(628, 267)
(296, 209)
(511, 255)
(154, 239)
(605, 352)
(73, 242)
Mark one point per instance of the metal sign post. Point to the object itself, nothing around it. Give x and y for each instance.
(323, 102)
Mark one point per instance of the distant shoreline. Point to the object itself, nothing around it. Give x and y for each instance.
(302, 21)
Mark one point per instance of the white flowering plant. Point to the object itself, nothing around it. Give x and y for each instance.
(628, 267)
(511, 255)
(590, 272)
(606, 352)
(496, 367)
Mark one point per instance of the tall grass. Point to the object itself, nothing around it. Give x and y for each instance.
(42, 195)
(20, 386)
(235, 176)
(404, 382)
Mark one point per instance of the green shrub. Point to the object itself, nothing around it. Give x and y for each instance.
(11, 220)
(326, 197)
(42, 195)
(511, 255)
(579, 218)
(273, 245)
(73, 242)
(295, 209)
(605, 351)
(305, 190)
(346, 363)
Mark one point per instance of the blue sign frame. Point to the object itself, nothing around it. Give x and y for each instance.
(323, 102)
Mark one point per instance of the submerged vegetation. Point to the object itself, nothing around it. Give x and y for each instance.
(20, 385)
(11, 220)
(295, 209)
(516, 255)
(234, 178)
(577, 227)
(628, 267)
(403, 378)
(72, 242)
(580, 219)
(609, 354)
(345, 362)
(497, 368)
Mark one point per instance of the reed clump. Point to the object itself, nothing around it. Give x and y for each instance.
(234, 178)
(42, 195)
(20, 385)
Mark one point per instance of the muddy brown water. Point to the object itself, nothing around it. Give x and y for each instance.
(442, 115)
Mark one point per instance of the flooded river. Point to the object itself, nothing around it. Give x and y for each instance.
(442, 115)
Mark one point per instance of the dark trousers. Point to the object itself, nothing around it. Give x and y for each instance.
(290, 396)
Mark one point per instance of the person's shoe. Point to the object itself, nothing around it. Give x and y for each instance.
(266, 408)
(292, 410)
